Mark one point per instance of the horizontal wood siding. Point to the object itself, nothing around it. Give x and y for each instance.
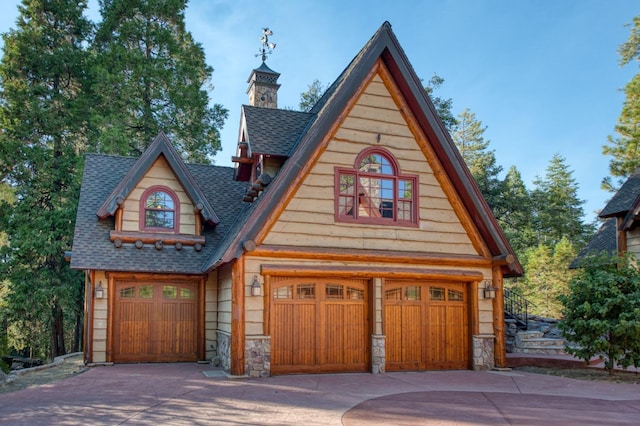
(224, 298)
(160, 173)
(100, 320)
(633, 242)
(440, 229)
(211, 314)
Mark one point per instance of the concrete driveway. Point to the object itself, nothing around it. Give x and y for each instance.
(181, 394)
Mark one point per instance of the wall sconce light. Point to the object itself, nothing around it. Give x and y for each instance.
(489, 290)
(256, 288)
(99, 293)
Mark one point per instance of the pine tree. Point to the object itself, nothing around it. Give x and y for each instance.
(42, 114)
(516, 218)
(150, 75)
(312, 95)
(468, 135)
(625, 147)
(558, 210)
(443, 106)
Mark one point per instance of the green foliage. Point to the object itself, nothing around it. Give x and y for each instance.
(558, 210)
(312, 95)
(150, 75)
(547, 277)
(624, 148)
(602, 311)
(42, 114)
(443, 106)
(516, 216)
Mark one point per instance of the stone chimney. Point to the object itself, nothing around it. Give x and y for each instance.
(263, 87)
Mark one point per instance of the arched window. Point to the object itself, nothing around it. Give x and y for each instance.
(159, 210)
(375, 191)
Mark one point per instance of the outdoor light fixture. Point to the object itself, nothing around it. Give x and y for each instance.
(256, 289)
(489, 290)
(99, 291)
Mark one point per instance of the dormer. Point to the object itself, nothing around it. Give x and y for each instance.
(158, 202)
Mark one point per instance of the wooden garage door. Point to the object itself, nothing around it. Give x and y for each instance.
(319, 325)
(426, 326)
(155, 321)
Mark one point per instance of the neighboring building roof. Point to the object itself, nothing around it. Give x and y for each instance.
(383, 45)
(604, 240)
(160, 146)
(273, 131)
(92, 248)
(625, 198)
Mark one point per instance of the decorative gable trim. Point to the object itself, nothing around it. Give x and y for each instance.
(160, 146)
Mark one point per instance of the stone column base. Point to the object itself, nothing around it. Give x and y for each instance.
(483, 351)
(378, 353)
(257, 356)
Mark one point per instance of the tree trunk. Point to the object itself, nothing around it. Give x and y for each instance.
(57, 331)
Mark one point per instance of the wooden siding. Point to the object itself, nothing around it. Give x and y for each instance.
(99, 329)
(211, 315)
(440, 229)
(159, 174)
(224, 298)
(633, 242)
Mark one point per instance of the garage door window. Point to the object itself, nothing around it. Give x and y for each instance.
(145, 292)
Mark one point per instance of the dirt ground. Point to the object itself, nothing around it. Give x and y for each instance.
(70, 367)
(74, 365)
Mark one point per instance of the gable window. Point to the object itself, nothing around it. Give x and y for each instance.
(375, 191)
(159, 210)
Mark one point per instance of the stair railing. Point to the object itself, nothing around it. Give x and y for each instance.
(516, 307)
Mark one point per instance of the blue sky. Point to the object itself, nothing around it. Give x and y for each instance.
(543, 76)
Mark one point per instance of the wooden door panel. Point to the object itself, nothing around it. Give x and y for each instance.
(133, 331)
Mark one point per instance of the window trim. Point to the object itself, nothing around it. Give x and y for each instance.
(143, 209)
(396, 176)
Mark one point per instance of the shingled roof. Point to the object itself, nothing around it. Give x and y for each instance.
(382, 46)
(92, 248)
(625, 198)
(273, 131)
(604, 240)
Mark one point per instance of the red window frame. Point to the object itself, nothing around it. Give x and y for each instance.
(354, 204)
(175, 210)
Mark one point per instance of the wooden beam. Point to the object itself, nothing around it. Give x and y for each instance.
(378, 256)
(237, 318)
(621, 237)
(151, 276)
(152, 237)
(370, 272)
(242, 160)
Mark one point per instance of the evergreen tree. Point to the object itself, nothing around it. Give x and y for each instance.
(443, 106)
(468, 135)
(516, 218)
(312, 95)
(42, 114)
(548, 277)
(625, 147)
(150, 75)
(558, 210)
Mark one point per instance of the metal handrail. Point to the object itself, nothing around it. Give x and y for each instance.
(517, 307)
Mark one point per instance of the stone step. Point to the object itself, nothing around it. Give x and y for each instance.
(542, 341)
(529, 334)
(548, 350)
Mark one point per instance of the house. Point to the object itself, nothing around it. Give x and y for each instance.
(619, 232)
(348, 239)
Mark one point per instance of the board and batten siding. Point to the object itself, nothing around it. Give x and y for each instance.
(309, 218)
(159, 173)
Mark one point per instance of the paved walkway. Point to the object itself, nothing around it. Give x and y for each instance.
(180, 394)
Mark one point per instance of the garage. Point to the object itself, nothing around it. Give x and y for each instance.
(426, 325)
(319, 325)
(155, 321)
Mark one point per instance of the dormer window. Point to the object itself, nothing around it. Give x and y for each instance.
(375, 191)
(159, 210)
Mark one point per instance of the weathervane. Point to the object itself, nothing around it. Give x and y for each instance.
(267, 47)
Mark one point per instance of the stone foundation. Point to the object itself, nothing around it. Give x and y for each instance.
(257, 356)
(483, 352)
(224, 350)
(378, 353)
